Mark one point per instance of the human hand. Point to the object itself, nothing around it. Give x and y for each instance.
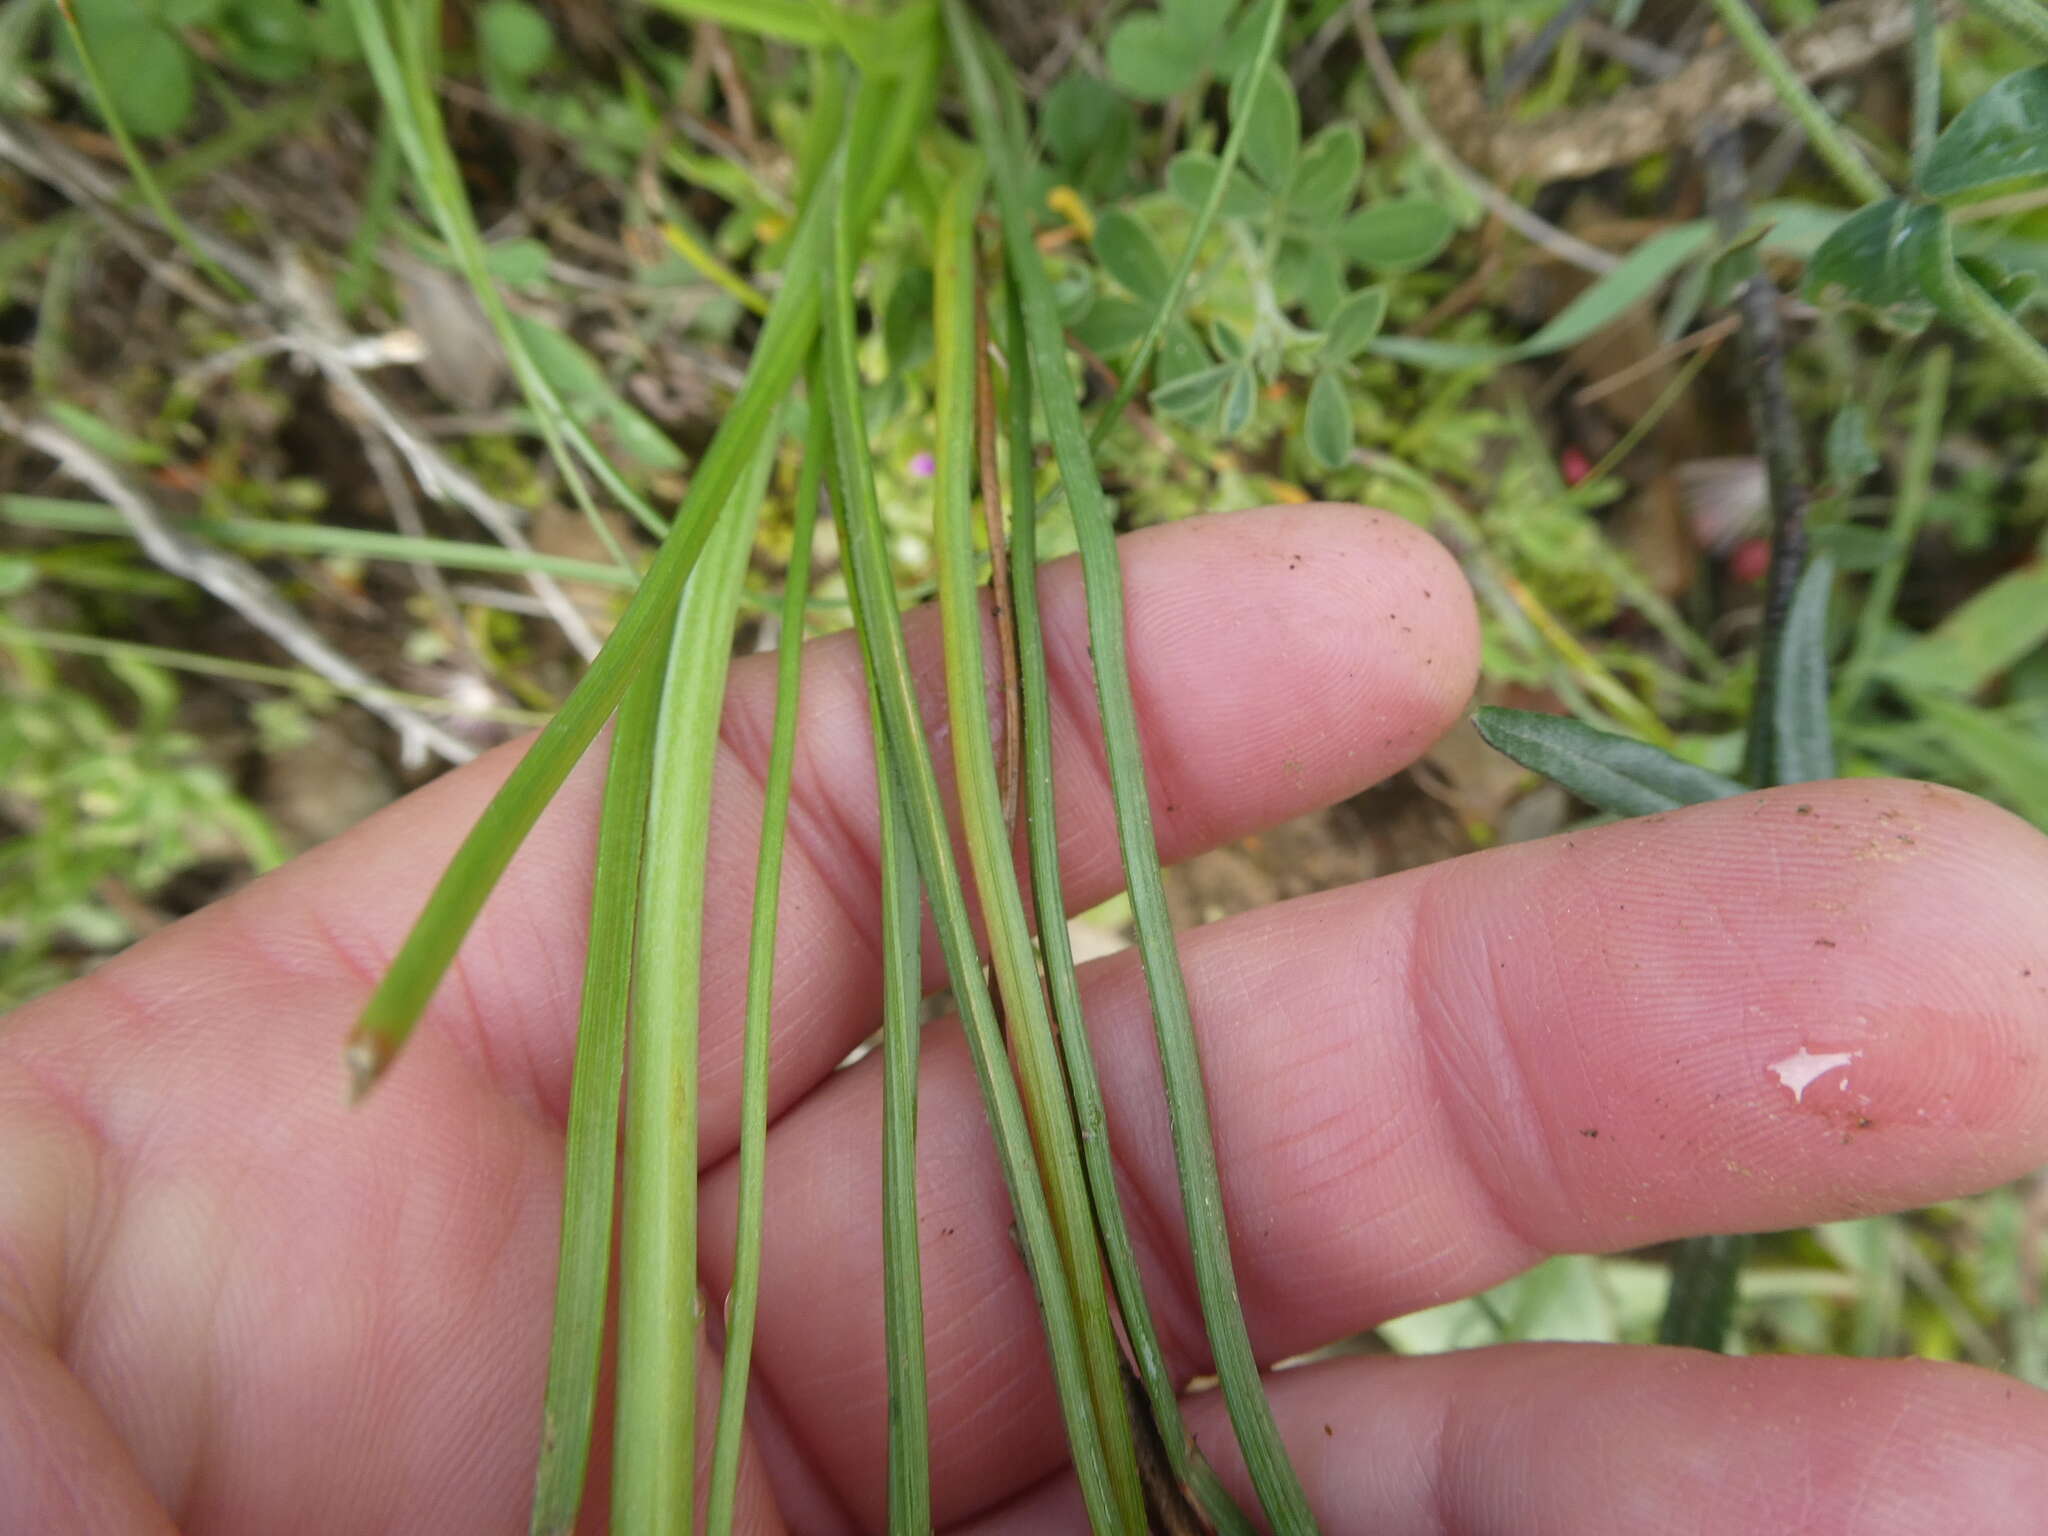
(232, 1303)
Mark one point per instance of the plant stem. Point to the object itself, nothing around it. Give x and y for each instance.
(988, 833)
(1908, 507)
(401, 62)
(1761, 347)
(1706, 1270)
(654, 1444)
(1279, 1489)
(388, 1018)
(1704, 1277)
(304, 684)
(1926, 85)
(1991, 322)
(888, 666)
(1187, 1466)
(1828, 141)
(745, 1300)
(576, 1349)
(910, 1477)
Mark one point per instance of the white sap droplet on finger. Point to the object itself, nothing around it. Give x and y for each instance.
(1802, 1068)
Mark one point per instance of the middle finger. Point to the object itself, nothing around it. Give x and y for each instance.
(1421, 1085)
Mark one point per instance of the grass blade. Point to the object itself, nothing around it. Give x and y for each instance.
(576, 1351)
(393, 1009)
(888, 666)
(1704, 1277)
(1909, 507)
(1279, 1489)
(655, 1451)
(746, 1268)
(988, 834)
(262, 534)
(910, 1476)
(1083, 1087)
(401, 63)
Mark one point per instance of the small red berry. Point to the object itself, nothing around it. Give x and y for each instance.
(1749, 560)
(1574, 465)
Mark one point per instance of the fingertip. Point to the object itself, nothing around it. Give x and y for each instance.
(1291, 656)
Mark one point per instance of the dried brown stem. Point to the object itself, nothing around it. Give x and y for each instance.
(1721, 83)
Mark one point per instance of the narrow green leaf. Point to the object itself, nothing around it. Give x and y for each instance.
(109, 27)
(788, 21)
(576, 1350)
(988, 837)
(1997, 140)
(1801, 747)
(1279, 1489)
(1981, 639)
(392, 1010)
(888, 665)
(1641, 272)
(1327, 427)
(654, 1443)
(1705, 1273)
(406, 70)
(589, 396)
(744, 1303)
(1611, 773)
(2012, 757)
(265, 535)
(910, 1478)
(1162, 1390)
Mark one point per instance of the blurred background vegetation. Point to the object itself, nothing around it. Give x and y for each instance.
(277, 539)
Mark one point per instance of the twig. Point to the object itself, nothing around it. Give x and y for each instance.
(1541, 231)
(739, 106)
(1625, 48)
(1705, 336)
(1721, 83)
(1761, 343)
(235, 582)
